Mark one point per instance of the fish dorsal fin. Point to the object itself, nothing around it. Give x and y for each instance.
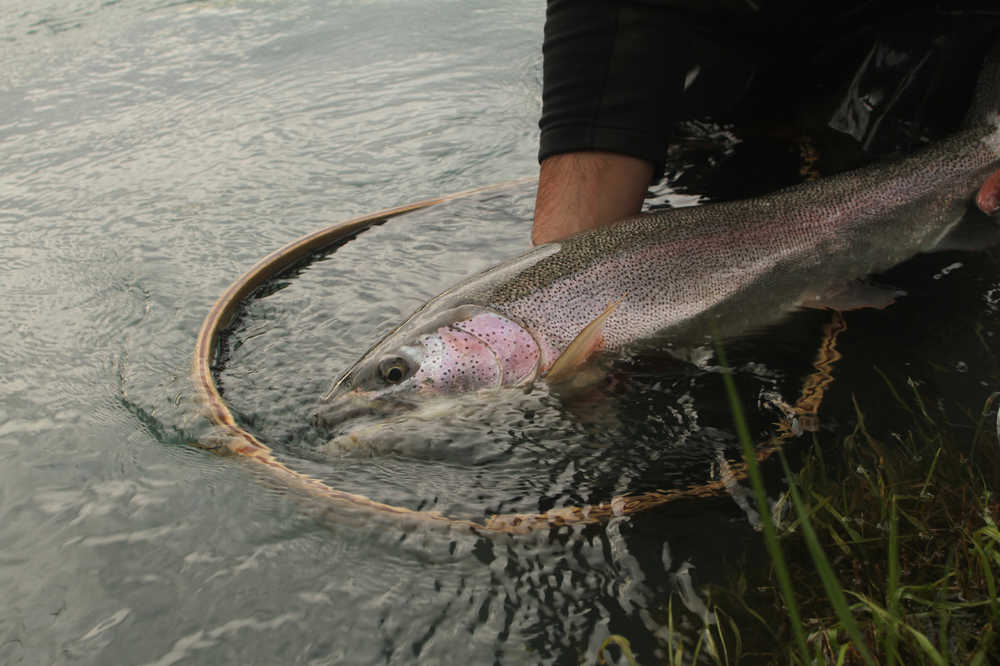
(583, 346)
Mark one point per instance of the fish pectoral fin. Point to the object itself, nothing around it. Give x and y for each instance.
(579, 382)
(988, 198)
(853, 296)
(582, 348)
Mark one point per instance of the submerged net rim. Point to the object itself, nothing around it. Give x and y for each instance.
(230, 438)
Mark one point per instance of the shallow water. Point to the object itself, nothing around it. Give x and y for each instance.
(152, 151)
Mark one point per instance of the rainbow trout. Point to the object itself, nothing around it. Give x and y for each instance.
(682, 273)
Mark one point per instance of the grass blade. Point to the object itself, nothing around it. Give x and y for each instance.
(834, 592)
(922, 641)
(892, 593)
(767, 520)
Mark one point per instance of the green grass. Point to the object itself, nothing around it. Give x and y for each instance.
(900, 536)
(889, 553)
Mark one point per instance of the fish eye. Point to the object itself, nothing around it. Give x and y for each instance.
(393, 369)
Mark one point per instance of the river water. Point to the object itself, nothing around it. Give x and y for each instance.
(152, 151)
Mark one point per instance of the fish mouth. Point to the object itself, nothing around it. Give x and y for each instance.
(339, 409)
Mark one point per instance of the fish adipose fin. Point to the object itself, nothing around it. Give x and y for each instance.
(582, 348)
(988, 199)
(853, 296)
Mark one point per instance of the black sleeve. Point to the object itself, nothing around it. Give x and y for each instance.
(597, 92)
(618, 74)
(614, 76)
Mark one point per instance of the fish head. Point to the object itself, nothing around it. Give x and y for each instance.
(459, 350)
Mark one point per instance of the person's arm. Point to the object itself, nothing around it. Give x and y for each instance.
(583, 190)
(604, 117)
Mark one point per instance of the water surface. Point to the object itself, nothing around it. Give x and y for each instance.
(152, 152)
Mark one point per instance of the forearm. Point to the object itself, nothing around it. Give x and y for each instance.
(583, 190)
(604, 120)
